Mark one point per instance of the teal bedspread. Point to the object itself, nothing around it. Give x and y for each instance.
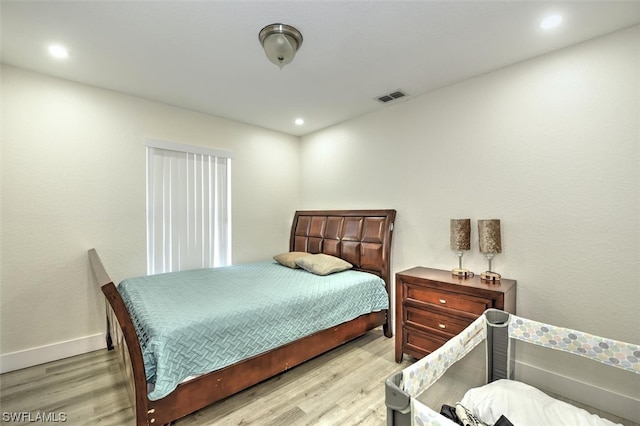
(194, 322)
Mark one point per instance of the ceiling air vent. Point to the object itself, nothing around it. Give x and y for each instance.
(391, 96)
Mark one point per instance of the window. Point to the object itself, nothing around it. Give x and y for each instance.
(188, 207)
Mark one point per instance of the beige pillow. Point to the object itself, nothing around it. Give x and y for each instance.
(322, 264)
(288, 259)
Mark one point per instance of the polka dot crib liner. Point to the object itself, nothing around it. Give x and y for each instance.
(498, 331)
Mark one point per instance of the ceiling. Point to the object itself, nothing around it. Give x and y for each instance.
(205, 55)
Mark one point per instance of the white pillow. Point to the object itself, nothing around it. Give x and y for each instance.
(525, 405)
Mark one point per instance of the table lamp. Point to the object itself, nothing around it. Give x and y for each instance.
(490, 244)
(460, 241)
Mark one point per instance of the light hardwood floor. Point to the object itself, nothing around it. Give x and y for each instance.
(342, 387)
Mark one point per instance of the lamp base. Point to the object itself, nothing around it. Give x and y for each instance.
(490, 276)
(462, 273)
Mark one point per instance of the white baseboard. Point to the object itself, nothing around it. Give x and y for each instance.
(603, 399)
(43, 354)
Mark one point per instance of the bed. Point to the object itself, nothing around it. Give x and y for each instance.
(360, 237)
(475, 375)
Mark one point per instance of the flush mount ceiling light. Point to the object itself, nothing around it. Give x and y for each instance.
(58, 51)
(551, 22)
(280, 43)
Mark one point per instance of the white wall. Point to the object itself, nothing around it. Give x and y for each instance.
(73, 178)
(550, 146)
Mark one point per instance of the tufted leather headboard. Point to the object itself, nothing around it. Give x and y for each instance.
(361, 237)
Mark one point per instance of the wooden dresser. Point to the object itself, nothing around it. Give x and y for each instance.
(432, 306)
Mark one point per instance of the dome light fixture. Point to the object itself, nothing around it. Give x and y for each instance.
(280, 43)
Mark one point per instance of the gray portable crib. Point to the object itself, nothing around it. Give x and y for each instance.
(485, 352)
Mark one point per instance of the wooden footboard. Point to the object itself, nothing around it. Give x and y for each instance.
(121, 336)
(370, 252)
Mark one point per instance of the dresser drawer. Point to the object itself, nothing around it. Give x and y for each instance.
(460, 302)
(451, 326)
(421, 344)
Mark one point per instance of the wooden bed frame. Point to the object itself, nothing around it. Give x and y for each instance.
(362, 237)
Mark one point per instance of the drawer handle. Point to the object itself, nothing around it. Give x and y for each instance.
(442, 326)
(443, 301)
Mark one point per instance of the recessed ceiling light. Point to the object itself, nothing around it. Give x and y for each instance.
(550, 22)
(299, 121)
(58, 51)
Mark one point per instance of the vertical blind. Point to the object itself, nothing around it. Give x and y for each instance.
(188, 207)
